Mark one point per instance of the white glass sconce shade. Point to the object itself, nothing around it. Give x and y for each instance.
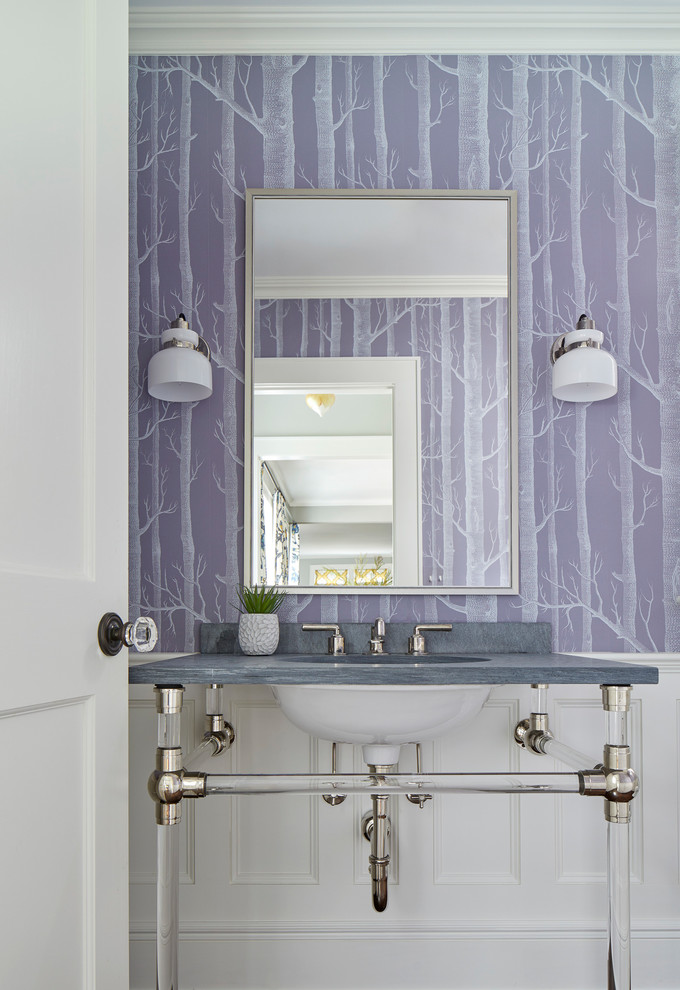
(180, 371)
(582, 371)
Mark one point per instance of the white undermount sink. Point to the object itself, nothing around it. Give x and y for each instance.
(380, 717)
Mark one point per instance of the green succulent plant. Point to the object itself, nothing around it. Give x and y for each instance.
(259, 599)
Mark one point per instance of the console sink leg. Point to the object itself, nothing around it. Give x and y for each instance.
(616, 703)
(167, 906)
(168, 816)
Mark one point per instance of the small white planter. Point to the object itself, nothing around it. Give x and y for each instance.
(258, 633)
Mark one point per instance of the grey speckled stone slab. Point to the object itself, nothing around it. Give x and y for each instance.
(465, 637)
(483, 668)
(472, 653)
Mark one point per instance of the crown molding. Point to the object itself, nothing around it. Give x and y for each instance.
(379, 287)
(365, 29)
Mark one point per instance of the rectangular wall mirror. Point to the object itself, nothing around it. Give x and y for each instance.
(381, 409)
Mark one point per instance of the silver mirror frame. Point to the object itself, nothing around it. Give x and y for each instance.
(510, 198)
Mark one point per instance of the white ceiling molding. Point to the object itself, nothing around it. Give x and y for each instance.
(367, 29)
(380, 287)
(314, 448)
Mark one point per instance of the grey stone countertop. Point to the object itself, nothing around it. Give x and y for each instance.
(470, 653)
(499, 668)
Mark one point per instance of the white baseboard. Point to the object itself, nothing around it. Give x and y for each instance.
(656, 929)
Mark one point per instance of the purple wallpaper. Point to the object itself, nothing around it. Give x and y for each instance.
(589, 144)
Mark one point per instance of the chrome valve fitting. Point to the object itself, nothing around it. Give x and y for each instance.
(165, 789)
(219, 732)
(622, 783)
(532, 732)
(169, 783)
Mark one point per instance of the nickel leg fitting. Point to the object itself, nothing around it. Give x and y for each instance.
(622, 780)
(171, 781)
(617, 783)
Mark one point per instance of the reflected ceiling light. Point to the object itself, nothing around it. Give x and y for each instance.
(582, 371)
(320, 403)
(180, 371)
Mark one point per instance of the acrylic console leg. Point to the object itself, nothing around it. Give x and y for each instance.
(618, 886)
(167, 906)
(168, 816)
(616, 703)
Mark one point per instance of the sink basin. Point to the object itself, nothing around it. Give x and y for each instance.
(380, 718)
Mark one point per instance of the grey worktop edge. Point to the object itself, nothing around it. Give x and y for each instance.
(501, 669)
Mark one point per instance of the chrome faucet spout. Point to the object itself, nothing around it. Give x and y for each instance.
(377, 644)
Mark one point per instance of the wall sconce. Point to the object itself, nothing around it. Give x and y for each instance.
(320, 403)
(180, 371)
(582, 371)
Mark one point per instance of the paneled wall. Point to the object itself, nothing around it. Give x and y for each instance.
(588, 143)
(488, 892)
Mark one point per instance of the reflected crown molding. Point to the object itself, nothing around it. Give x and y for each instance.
(383, 287)
(398, 29)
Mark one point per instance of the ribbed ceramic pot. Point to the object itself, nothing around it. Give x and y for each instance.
(258, 633)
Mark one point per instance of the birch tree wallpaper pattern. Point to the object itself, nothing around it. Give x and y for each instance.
(590, 145)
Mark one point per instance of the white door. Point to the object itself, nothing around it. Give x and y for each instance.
(63, 498)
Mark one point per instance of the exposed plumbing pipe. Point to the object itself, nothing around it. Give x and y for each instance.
(418, 799)
(565, 754)
(219, 734)
(379, 860)
(334, 799)
(534, 735)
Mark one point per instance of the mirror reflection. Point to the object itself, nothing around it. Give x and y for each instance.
(328, 484)
(380, 437)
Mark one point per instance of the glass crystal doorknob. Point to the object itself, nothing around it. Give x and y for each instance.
(113, 634)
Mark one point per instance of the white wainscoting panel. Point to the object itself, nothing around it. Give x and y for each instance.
(494, 891)
(476, 837)
(274, 839)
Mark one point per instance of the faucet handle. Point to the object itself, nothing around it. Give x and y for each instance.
(416, 642)
(336, 642)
